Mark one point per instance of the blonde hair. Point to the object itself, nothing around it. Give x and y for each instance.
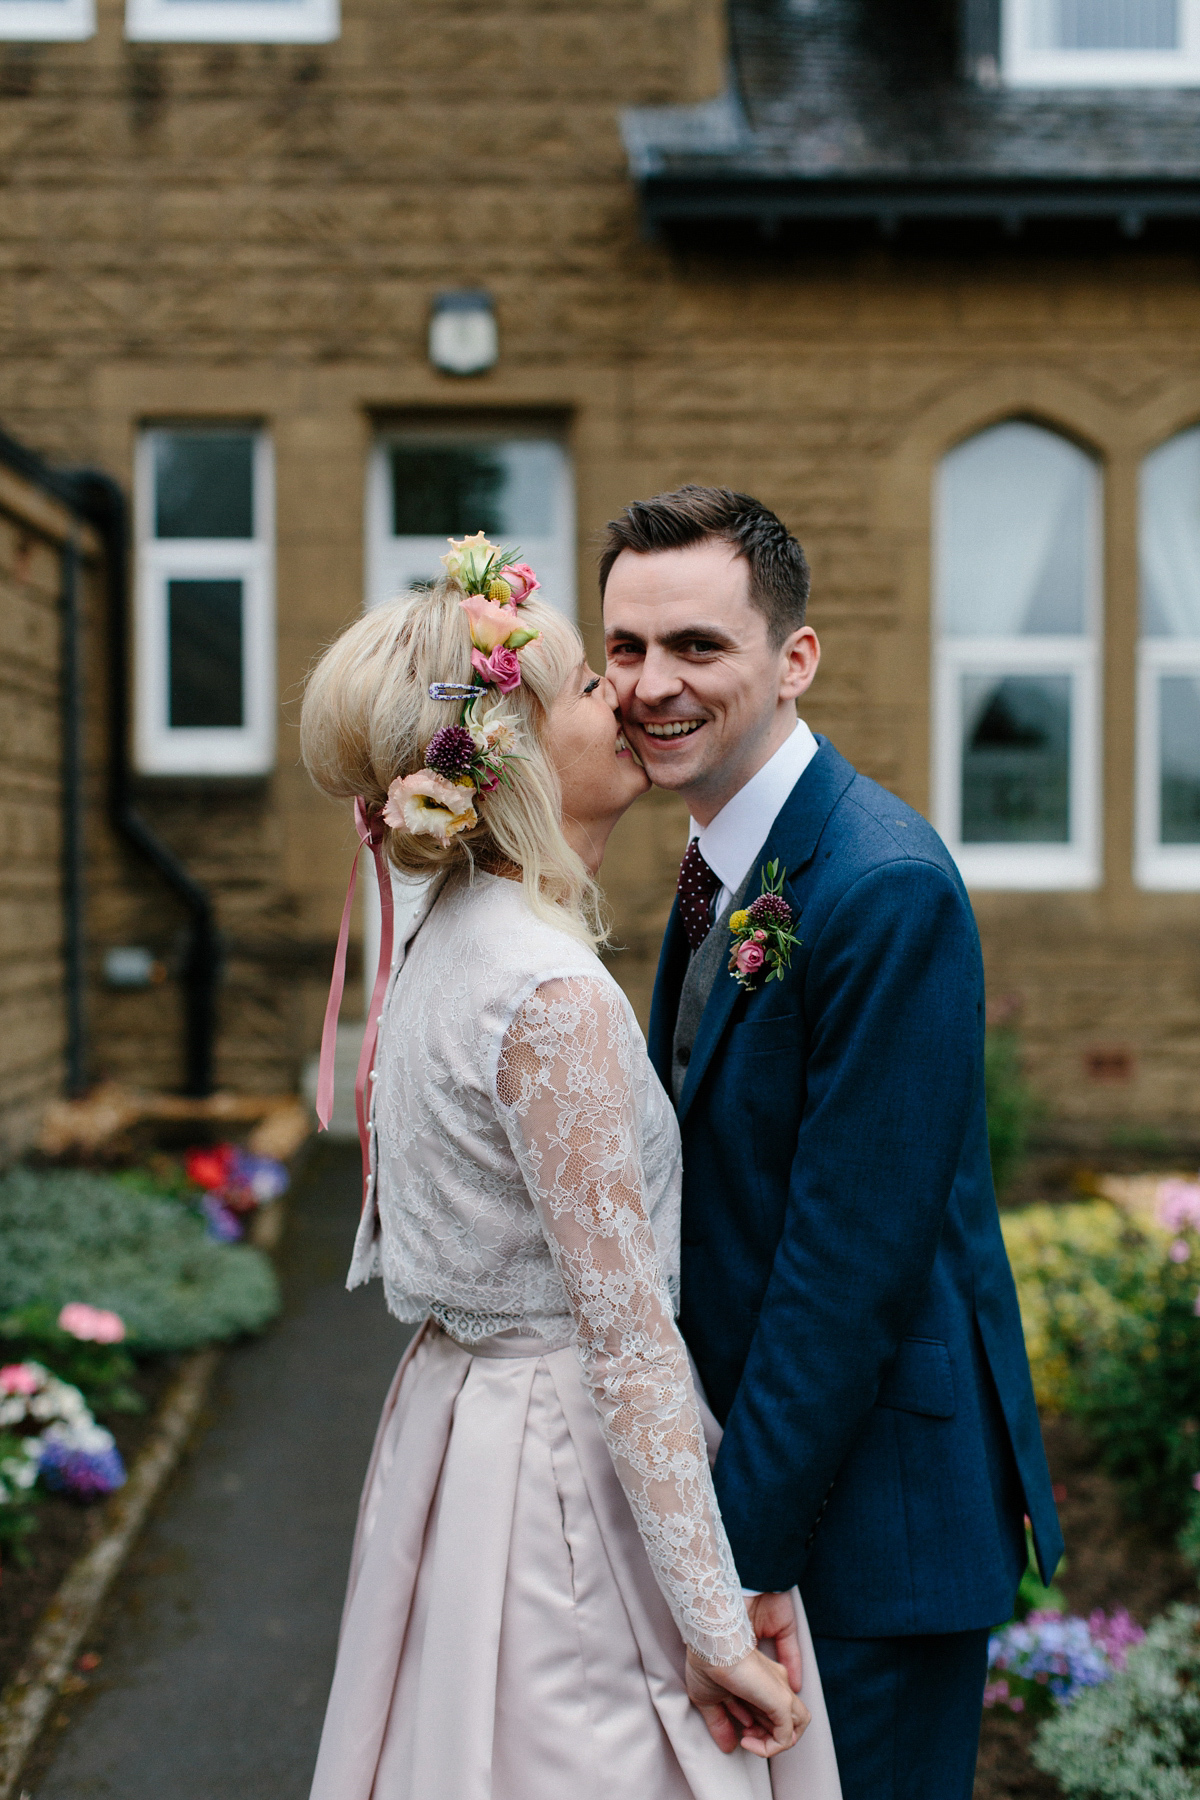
(367, 719)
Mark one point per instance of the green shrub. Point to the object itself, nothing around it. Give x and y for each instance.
(1137, 1389)
(67, 1235)
(1010, 1105)
(1069, 1263)
(1138, 1736)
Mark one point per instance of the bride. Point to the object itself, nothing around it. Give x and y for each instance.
(540, 1579)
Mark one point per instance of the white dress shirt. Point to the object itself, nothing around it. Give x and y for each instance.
(731, 841)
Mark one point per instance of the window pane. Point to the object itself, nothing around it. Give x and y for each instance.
(1170, 539)
(453, 490)
(1109, 25)
(1016, 535)
(204, 484)
(204, 627)
(1179, 740)
(1016, 759)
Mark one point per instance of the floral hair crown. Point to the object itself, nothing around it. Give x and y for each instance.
(471, 758)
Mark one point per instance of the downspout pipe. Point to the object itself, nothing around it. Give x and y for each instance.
(96, 497)
(73, 859)
(93, 496)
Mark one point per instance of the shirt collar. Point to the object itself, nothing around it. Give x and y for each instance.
(731, 841)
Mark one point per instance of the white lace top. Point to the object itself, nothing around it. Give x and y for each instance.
(527, 1179)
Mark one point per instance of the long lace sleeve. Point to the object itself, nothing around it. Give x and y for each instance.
(563, 1088)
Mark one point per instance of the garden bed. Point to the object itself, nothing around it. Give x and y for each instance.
(66, 1527)
(1110, 1562)
(157, 1248)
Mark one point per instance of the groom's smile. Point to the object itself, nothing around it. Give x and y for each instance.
(706, 694)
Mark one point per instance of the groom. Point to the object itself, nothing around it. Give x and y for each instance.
(846, 1293)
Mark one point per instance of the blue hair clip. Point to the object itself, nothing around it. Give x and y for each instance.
(453, 690)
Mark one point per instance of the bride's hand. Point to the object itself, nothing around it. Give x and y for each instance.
(751, 1704)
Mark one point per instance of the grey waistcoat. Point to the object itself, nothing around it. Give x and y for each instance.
(708, 963)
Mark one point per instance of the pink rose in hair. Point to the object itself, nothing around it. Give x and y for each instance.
(521, 579)
(491, 623)
(750, 958)
(501, 668)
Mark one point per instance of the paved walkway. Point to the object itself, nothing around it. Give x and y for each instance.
(218, 1643)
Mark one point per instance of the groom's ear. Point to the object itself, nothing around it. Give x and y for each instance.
(799, 655)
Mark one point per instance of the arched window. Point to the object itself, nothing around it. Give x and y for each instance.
(1168, 782)
(1017, 606)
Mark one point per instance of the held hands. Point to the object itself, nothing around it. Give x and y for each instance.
(754, 1703)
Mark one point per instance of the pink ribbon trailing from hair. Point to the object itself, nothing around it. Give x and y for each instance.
(370, 830)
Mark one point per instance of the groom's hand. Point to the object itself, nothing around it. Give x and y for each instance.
(773, 1616)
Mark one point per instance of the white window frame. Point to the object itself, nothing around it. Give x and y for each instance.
(1030, 868)
(46, 21)
(248, 749)
(390, 568)
(1024, 65)
(1167, 867)
(232, 21)
(387, 571)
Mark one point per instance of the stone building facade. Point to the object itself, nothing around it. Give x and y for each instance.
(38, 535)
(251, 237)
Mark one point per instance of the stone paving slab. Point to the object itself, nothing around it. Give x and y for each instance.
(218, 1642)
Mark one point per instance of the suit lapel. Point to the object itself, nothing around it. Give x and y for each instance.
(664, 1008)
(792, 840)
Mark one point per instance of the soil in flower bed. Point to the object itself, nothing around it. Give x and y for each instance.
(65, 1528)
(1109, 1562)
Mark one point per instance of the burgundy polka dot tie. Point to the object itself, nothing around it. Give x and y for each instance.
(697, 885)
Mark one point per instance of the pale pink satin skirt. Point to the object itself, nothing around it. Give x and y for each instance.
(504, 1637)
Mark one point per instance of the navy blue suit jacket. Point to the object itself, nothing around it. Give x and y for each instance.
(845, 1288)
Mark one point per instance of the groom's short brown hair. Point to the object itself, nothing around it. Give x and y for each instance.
(779, 577)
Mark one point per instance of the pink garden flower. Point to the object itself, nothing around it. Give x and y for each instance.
(501, 668)
(19, 1378)
(521, 579)
(750, 958)
(1178, 1204)
(1180, 1250)
(91, 1324)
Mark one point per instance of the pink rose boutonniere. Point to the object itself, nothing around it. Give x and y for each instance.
(762, 938)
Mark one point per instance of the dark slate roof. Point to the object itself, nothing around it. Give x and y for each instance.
(843, 109)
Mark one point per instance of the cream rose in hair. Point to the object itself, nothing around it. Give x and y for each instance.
(426, 803)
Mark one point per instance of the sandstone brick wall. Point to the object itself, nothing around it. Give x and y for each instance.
(33, 530)
(248, 232)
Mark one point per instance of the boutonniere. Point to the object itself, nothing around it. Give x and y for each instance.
(761, 934)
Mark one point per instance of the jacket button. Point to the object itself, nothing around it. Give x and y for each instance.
(683, 1055)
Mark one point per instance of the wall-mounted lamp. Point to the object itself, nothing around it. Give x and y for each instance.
(462, 332)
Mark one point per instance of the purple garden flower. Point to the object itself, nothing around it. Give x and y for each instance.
(1061, 1653)
(81, 1460)
(223, 1225)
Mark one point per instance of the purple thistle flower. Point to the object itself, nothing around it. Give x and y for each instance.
(771, 909)
(450, 752)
